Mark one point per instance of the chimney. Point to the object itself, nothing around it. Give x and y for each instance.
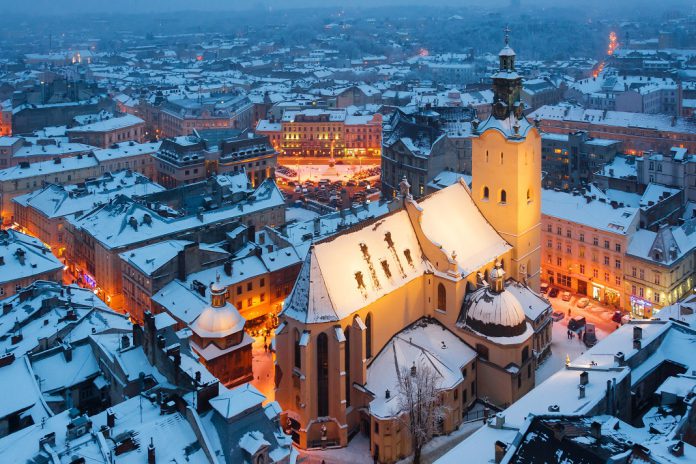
(387, 394)
(110, 418)
(181, 265)
(596, 430)
(581, 391)
(499, 420)
(6, 308)
(67, 352)
(637, 333)
(6, 359)
(133, 223)
(500, 450)
(637, 345)
(677, 449)
(584, 378)
(151, 452)
(620, 358)
(228, 268)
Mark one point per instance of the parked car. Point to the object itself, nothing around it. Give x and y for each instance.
(553, 293)
(557, 316)
(544, 287)
(582, 302)
(589, 336)
(576, 323)
(566, 296)
(617, 317)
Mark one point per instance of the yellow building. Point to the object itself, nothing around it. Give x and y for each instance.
(441, 260)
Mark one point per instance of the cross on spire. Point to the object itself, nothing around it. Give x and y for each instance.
(507, 34)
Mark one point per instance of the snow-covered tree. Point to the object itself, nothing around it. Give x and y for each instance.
(419, 402)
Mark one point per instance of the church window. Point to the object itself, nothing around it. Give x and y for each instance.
(486, 156)
(501, 157)
(529, 195)
(322, 375)
(503, 196)
(485, 193)
(298, 352)
(441, 297)
(368, 336)
(346, 368)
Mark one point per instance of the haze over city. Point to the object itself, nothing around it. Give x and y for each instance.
(330, 232)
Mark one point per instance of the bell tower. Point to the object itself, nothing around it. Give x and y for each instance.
(506, 172)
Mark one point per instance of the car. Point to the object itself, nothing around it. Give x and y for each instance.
(553, 293)
(617, 317)
(544, 287)
(576, 323)
(557, 316)
(582, 302)
(298, 189)
(351, 183)
(565, 296)
(589, 336)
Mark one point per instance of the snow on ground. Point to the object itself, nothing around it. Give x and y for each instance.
(262, 367)
(561, 347)
(316, 172)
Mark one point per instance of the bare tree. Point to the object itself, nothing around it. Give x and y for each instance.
(420, 405)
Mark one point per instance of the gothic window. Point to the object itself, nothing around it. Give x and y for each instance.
(441, 297)
(368, 336)
(485, 193)
(346, 368)
(322, 375)
(503, 196)
(298, 359)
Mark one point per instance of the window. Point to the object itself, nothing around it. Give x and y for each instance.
(262, 297)
(559, 231)
(581, 237)
(249, 302)
(569, 234)
(656, 280)
(617, 264)
(633, 289)
(503, 197)
(549, 244)
(549, 228)
(262, 282)
(368, 336)
(346, 362)
(582, 269)
(529, 195)
(501, 157)
(606, 244)
(559, 261)
(633, 271)
(250, 286)
(595, 241)
(656, 297)
(323, 375)
(606, 277)
(441, 297)
(485, 193)
(617, 280)
(606, 260)
(595, 273)
(617, 247)
(298, 350)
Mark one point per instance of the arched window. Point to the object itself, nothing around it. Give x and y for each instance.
(368, 336)
(346, 361)
(486, 156)
(322, 375)
(441, 297)
(503, 196)
(501, 157)
(485, 193)
(298, 350)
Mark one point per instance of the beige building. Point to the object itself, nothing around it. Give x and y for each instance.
(441, 260)
(660, 268)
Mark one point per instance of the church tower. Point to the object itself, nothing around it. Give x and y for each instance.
(506, 172)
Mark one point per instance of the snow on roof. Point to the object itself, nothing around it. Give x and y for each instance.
(110, 224)
(654, 193)
(150, 258)
(679, 386)
(24, 257)
(447, 178)
(20, 392)
(55, 373)
(595, 213)
(231, 403)
(668, 342)
(126, 150)
(456, 228)
(55, 201)
(621, 167)
(47, 168)
(252, 442)
(108, 125)
(425, 343)
(370, 269)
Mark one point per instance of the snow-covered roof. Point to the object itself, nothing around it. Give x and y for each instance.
(23, 257)
(231, 403)
(591, 213)
(425, 343)
(108, 125)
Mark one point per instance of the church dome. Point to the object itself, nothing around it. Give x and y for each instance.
(495, 314)
(507, 51)
(218, 322)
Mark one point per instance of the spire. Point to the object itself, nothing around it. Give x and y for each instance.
(507, 34)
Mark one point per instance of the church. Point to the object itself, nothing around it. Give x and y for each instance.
(447, 283)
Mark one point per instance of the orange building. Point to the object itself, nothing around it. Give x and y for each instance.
(324, 133)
